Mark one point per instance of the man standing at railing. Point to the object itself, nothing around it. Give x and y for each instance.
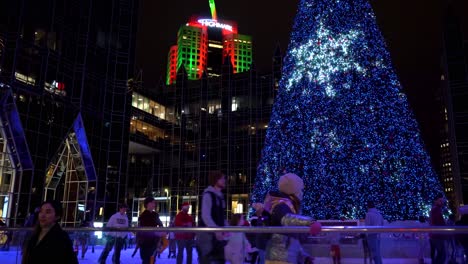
(148, 241)
(374, 218)
(213, 211)
(115, 239)
(437, 241)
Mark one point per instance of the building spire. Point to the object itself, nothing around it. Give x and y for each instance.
(214, 16)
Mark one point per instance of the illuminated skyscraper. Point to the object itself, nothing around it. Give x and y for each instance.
(202, 45)
(454, 109)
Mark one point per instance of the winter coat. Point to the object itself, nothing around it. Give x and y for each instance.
(374, 218)
(285, 248)
(261, 239)
(183, 219)
(149, 219)
(118, 220)
(55, 248)
(437, 219)
(213, 209)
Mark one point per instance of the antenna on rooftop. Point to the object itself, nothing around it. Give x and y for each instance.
(214, 16)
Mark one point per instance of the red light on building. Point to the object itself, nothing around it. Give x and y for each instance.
(60, 86)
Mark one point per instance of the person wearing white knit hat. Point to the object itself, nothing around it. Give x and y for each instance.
(284, 207)
(290, 184)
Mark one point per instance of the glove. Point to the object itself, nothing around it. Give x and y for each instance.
(315, 228)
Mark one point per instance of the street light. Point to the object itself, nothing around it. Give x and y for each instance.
(168, 206)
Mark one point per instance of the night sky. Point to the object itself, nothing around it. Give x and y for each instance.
(411, 28)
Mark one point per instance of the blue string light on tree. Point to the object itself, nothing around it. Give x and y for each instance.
(342, 122)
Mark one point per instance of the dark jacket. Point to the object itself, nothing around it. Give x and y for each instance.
(55, 247)
(148, 219)
(260, 238)
(437, 219)
(462, 238)
(215, 205)
(212, 212)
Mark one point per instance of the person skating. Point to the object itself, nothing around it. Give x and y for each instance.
(437, 241)
(115, 239)
(211, 246)
(284, 207)
(237, 244)
(374, 218)
(148, 241)
(184, 239)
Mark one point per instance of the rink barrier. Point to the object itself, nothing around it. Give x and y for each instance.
(270, 229)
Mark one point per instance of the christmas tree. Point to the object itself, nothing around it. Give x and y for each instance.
(342, 122)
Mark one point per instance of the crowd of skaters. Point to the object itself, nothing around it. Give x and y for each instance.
(443, 247)
(49, 243)
(281, 208)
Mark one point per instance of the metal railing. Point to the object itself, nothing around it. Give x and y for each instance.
(270, 229)
(400, 243)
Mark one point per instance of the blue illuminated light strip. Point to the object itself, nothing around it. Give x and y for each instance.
(14, 130)
(85, 150)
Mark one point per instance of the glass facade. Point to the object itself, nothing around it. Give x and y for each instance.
(211, 131)
(74, 58)
(239, 48)
(192, 50)
(151, 132)
(150, 106)
(172, 65)
(7, 176)
(453, 158)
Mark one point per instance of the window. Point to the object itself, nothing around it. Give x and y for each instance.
(234, 104)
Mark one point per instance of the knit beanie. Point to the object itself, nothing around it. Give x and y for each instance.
(186, 206)
(290, 183)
